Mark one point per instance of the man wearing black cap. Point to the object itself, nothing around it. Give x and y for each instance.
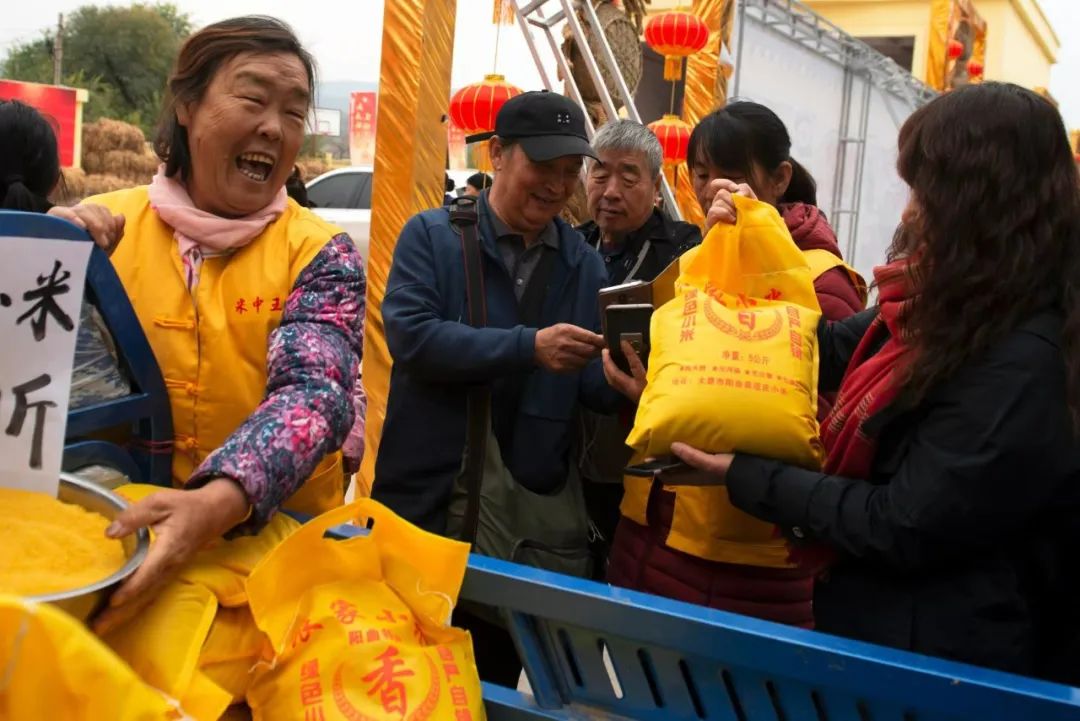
(537, 352)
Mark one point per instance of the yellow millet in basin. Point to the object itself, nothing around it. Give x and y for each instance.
(47, 546)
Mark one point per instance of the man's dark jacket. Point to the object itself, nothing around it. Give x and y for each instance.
(438, 356)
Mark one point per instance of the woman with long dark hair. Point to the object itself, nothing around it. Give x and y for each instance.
(951, 493)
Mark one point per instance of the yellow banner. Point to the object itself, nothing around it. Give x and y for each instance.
(705, 90)
(945, 17)
(410, 156)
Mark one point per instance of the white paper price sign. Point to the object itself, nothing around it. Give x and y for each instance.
(41, 291)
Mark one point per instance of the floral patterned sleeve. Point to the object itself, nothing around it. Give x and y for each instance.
(312, 364)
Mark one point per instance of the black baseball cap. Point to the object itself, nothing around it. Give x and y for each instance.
(546, 126)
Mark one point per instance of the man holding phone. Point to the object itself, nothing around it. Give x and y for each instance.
(536, 354)
(637, 241)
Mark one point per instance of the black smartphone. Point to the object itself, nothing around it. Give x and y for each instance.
(654, 467)
(670, 471)
(631, 293)
(628, 323)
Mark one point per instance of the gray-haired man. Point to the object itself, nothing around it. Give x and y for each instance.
(635, 238)
(637, 241)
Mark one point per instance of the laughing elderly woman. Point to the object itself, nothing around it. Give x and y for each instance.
(253, 306)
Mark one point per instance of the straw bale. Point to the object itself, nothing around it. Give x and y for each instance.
(138, 167)
(106, 134)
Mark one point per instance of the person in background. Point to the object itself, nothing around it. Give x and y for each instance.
(745, 148)
(448, 189)
(297, 190)
(252, 304)
(637, 241)
(538, 352)
(950, 493)
(741, 148)
(29, 174)
(477, 183)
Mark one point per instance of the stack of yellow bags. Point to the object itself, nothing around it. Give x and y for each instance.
(283, 625)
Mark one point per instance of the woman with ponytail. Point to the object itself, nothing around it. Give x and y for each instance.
(951, 489)
(744, 148)
(29, 173)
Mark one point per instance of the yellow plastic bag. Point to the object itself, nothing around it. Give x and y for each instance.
(231, 651)
(224, 566)
(162, 642)
(52, 667)
(733, 365)
(197, 640)
(359, 628)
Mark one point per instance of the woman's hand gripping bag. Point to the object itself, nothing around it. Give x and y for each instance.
(733, 367)
(196, 640)
(360, 627)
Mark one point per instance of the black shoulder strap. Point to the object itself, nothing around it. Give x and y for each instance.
(466, 222)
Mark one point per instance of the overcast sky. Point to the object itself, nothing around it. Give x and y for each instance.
(345, 37)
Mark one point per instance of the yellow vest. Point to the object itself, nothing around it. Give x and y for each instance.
(705, 524)
(213, 351)
(822, 261)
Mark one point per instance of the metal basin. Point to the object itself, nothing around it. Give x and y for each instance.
(84, 602)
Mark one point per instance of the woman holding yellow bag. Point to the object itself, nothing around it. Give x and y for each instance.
(949, 492)
(742, 149)
(732, 365)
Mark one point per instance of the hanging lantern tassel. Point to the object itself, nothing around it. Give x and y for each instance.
(481, 156)
(676, 35)
(673, 68)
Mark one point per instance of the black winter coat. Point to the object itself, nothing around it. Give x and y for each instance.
(667, 238)
(965, 541)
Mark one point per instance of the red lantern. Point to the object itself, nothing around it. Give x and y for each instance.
(674, 137)
(956, 49)
(474, 107)
(974, 68)
(675, 35)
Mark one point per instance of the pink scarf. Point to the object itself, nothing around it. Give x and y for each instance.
(199, 233)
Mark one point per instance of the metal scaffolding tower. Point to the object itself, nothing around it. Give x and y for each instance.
(531, 14)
